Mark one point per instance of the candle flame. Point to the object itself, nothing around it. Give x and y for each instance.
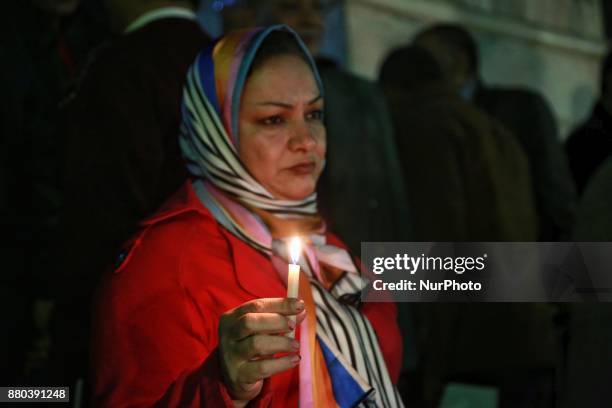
(295, 247)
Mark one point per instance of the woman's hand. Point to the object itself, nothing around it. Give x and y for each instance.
(248, 339)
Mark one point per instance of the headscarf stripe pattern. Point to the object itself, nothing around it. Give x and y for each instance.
(342, 365)
(345, 321)
(212, 133)
(222, 216)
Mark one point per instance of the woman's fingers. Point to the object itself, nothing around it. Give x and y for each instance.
(284, 306)
(265, 345)
(266, 315)
(246, 341)
(253, 371)
(264, 323)
(301, 316)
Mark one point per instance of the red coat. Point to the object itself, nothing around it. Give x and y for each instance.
(156, 316)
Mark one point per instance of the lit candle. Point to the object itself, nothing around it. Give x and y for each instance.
(293, 280)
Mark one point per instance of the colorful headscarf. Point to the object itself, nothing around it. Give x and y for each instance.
(342, 364)
(210, 110)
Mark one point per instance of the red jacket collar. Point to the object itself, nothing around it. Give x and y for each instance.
(249, 264)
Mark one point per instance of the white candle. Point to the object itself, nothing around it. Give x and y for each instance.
(293, 279)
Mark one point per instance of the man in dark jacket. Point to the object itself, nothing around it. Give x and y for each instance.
(591, 143)
(525, 113)
(588, 365)
(469, 181)
(123, 157)
(468, 176)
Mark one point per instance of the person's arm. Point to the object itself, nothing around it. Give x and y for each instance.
(150, 346)
(161, 338)
(165, 354)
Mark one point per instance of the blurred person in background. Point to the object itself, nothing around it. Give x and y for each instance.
(524, 112)
(591, 143)
(594, 218)
(122, 158)
(363, 178)
(445, 141)
(588, 365)
(469, 181)
(44, 45)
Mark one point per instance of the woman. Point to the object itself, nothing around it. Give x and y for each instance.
(195, 312)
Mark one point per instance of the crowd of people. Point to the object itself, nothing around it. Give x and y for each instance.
(133, 144)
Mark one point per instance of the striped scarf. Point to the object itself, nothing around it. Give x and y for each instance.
(342, 364)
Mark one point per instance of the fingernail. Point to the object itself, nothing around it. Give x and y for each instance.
(291, 324)
(299, 305)
(295, 345)
(296, 359)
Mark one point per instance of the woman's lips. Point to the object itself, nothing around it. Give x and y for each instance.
(302, 169)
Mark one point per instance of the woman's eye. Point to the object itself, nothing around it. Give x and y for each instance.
(315, 115)
(272, 120)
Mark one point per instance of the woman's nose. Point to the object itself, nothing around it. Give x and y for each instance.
(303, 137)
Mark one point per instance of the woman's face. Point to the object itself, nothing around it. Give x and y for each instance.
(281, 131)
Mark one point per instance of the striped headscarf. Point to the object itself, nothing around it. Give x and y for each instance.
(342, 364)
(210, 109)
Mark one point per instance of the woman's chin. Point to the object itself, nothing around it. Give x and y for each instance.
(296, 192)
(299, 196)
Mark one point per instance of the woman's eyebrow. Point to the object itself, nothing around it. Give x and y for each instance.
(287, 105)
(272, 103)
(315, 99)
